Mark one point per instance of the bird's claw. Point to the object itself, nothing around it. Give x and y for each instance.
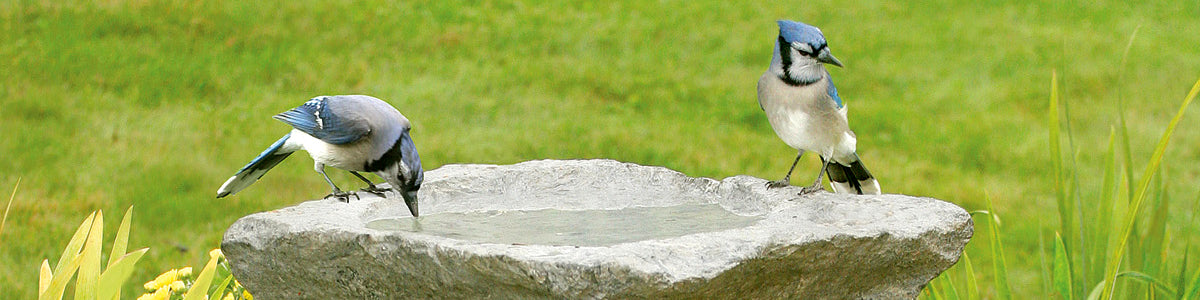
(343, 196)
(376, 191)
(777, 184)
(811, 189)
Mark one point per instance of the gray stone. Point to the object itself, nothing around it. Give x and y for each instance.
(598, 229)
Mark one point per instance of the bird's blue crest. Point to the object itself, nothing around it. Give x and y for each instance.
(793, 32)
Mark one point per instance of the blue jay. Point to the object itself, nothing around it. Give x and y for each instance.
(804, 109)
(353, 133)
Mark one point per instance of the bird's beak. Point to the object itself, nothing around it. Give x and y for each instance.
(410, 199)
(827, 57)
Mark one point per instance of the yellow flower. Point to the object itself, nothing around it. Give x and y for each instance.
(160, 294)
(228, 296)
(177, 286)
(185, 272)
(215, 253)
(162, 280)
(246, 295)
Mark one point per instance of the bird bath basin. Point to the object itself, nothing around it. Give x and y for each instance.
(586, 228)
(597, 229)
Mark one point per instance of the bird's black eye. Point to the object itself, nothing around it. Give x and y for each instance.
(817, 49)
(803, 49)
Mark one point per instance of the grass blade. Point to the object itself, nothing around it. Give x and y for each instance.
(1062, 269)
(1121, 113)
(9, 206)
(1003, 291)
(1155, 161)
(1096, 291)
(1102, 232)
(121, 241)
(1153, 247)
(934, 290)
(58, 284)
(44, 277)
(89, 261)
(972, 289)
(1187, 249)
(1192, 291)
(109, 283)
(1047, 286)
(951, 290)
(220, 291)
(199, 287)
(73, 247)
(1153, 282)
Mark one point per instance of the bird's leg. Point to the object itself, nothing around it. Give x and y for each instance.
(371, 188)
(336, 192)
(816, 186)
(787, 179)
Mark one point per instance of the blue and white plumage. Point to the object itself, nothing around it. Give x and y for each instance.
(353, 133)
(804, 109)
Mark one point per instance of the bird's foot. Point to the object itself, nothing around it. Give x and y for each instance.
(811, 189)
(377, 191)
(342, 196)
(778, 184)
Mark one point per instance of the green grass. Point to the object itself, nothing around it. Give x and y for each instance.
(1112, 249)
(155, 103)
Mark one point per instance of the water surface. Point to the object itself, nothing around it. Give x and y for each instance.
(572, 228)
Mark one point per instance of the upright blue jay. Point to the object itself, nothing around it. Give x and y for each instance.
(803, 107)
(353, 133)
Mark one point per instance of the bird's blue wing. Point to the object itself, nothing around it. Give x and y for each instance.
(316, 119)
(832, 91)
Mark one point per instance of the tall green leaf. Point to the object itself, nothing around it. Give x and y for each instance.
(68, 263)
(999, 266)
(1192, 291)
(89, 262)
(199, 288)
(109, 283)
(44, 277)
(1153, 241)
(1121, 113)
(1143, 186)
(1150, 280)
(121, 241)
(1102, 232)
(1062, 269)
(972, 289)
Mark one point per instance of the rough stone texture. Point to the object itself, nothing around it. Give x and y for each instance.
(820, 246)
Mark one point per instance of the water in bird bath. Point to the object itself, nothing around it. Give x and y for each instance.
(587, 228)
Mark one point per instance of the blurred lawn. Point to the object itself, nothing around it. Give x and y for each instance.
(154, 104)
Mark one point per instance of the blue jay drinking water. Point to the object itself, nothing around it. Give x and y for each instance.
(353, 133)
(803, 107)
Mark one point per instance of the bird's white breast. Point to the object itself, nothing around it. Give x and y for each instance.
(350, 157)
(804, 117)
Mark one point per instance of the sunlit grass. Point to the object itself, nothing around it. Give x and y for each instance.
(1105, 247)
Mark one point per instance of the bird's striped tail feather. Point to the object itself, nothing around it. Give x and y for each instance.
(852, 179)
(257, 167)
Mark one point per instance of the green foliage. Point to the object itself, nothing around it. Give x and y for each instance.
(1083, 248)
(81, 260)
(1062, 270)
(214, 282)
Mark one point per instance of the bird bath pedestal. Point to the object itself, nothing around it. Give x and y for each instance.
(597, 229)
